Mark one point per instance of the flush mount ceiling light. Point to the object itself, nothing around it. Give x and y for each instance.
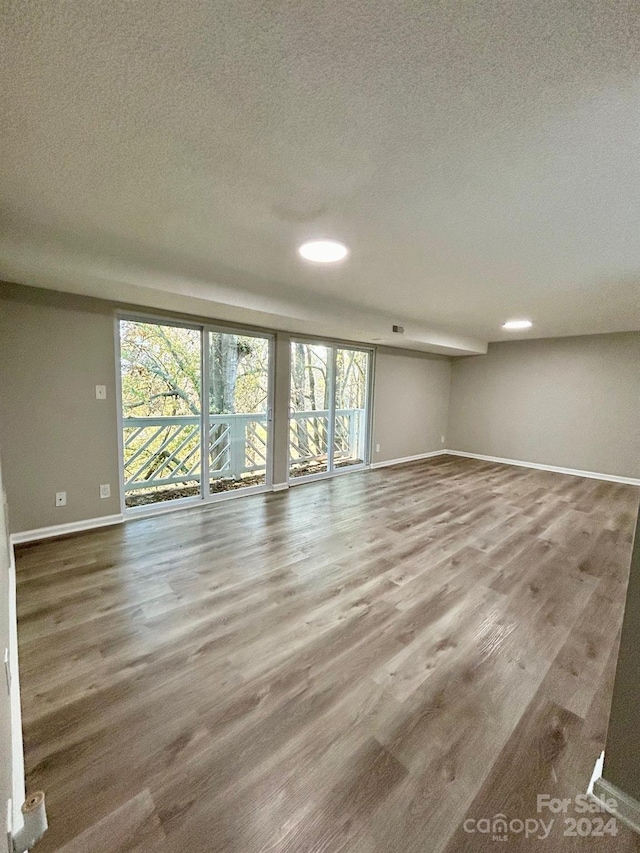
(514, 325)
(323, 251)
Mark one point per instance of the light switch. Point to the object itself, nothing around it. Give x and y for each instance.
(101, 392)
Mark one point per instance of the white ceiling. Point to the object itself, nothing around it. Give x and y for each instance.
(481, 159)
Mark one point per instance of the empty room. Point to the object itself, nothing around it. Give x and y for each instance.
(319, 426)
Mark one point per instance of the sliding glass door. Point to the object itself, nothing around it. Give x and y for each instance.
(196, 411)
(161, 378)
(239, 411)
(352, 369)
(329, 408)
(309, 411)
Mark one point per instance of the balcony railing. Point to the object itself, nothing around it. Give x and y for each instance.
(165, 451)
(309, 436)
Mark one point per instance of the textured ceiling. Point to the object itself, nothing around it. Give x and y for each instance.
(481, 159)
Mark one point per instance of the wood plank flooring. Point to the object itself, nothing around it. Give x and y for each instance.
(359, 664)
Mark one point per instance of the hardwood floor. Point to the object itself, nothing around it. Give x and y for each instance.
(359, 664)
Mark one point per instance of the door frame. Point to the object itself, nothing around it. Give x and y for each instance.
(204, 328)
(332, 471)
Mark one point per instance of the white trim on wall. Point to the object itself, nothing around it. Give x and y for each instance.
(17, 747)
(137, 513)
(64, 529)
(574, 472)
(605, 793)
(105, 521)
(415, 458)
(118, 393)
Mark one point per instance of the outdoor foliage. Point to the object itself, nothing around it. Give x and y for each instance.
(310, 389)
(161, 371)
(309, 378)
(162, 378)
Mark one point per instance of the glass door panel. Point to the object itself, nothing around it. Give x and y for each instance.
(351, 394)
(238, 416)
(160, 367)
(329, 408)
(310, 400)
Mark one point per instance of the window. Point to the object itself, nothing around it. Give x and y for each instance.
(328, 409)
(180, 432)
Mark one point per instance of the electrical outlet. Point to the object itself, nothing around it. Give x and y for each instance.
(101, 392)
(105, 491)
(377, 448)
(61, 498)
(441, 439)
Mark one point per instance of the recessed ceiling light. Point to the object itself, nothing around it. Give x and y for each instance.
(513, 325)
(323, 251)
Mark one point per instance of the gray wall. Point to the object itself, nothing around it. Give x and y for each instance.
(411, 402)
(55, 434)
(570, 402)
(55, 348)
(621, 765)
(6, 758)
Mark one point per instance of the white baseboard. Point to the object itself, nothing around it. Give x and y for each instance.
(105, 521)
(597, 772)
(574, 472)
(415, 458)
(605, 793)
(63, 529)
(17, 749)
